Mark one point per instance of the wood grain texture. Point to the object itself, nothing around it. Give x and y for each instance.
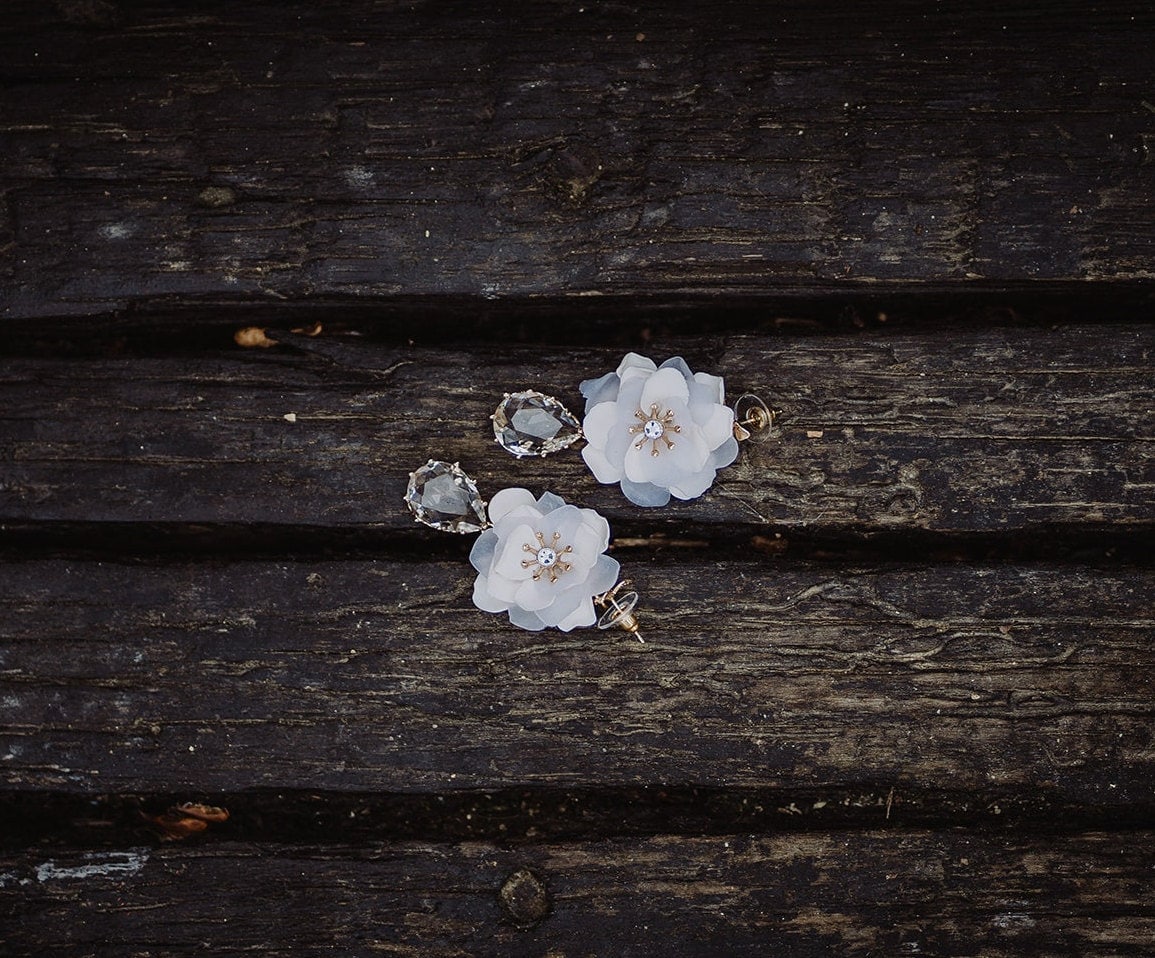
(363, 676)
(290, 151)
(987, 431)
(864, 894)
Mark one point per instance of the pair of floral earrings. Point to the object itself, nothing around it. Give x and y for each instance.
(658, 431)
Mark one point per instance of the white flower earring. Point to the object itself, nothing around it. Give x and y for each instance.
(659, 431)
(540, 560)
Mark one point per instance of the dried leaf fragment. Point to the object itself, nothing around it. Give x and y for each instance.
(189, 818)
(253, 336)
(206, 813)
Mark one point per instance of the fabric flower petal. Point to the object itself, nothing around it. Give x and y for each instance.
(636, 361)
(548, 502)
(600, 390)
(662, 387)
(604, 575)
(603, 469)
(484, 599)
(726, 453)
(593, 535)
(509, 554)
(508, 499)
(542, 562)
(689, 409)
(563, 606)
(524, 619)
(645, 493)
(582, 616)
(481, 555)
(536, 594)
(692, 486)
(718, 427)
(501, 588)
(678, 363)
(715, 389)
(598, 423)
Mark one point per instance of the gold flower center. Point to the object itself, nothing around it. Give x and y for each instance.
(547, 559)
(653, 427)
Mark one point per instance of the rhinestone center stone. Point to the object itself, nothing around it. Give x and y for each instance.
(530, 423)
(547, 559)
(653, 427)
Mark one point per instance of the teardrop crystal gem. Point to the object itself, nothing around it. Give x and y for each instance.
(441, 495)
(530, 423)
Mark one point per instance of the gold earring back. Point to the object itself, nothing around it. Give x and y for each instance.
(753, 419)
(619, 608)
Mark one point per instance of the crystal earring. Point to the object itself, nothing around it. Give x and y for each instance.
(540, 560)
(659, 431)
(530, 423)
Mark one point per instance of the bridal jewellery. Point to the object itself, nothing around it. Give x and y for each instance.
(540, 560)
(659, 431)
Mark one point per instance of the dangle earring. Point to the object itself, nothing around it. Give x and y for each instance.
(540, 560)
(659, 431)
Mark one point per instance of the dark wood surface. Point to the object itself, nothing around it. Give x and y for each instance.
(364, 676)
(989, 430)
(895, 693)
(862, 894)
(248, 152)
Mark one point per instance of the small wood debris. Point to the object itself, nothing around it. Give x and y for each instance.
(189, 818)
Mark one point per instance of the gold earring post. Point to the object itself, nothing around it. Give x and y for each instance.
(750, 411)
(619, 609)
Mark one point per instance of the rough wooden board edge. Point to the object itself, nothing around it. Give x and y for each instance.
(582, 150)
(383, 676)
(847, 893)
(988, 431)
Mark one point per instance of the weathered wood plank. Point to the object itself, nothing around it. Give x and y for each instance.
(380, 675)
(993, 430)
(248, 151)
(893, 893)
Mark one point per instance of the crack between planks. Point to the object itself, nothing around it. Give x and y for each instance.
(635, 539)
(536, 814)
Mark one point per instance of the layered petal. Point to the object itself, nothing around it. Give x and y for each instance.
(645, 493)
(630, 430)
(542, 562)
(718, 425)
(600, 390)
(507, 500)
(662, 388)
(583, 615)
(484, 599)
(692, 486)
(481, 555)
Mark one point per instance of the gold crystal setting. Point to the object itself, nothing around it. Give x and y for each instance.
(653, 428)
(547, 559)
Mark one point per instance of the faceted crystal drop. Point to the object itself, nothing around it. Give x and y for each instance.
(530, 423)
(441, 495)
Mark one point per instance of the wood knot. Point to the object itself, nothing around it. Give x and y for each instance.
(524, 898)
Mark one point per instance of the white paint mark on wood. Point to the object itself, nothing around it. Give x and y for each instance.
(116, 231)
(95, 865)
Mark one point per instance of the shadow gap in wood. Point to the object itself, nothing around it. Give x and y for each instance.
(537, 814)
(197, 327)
(654, 541)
